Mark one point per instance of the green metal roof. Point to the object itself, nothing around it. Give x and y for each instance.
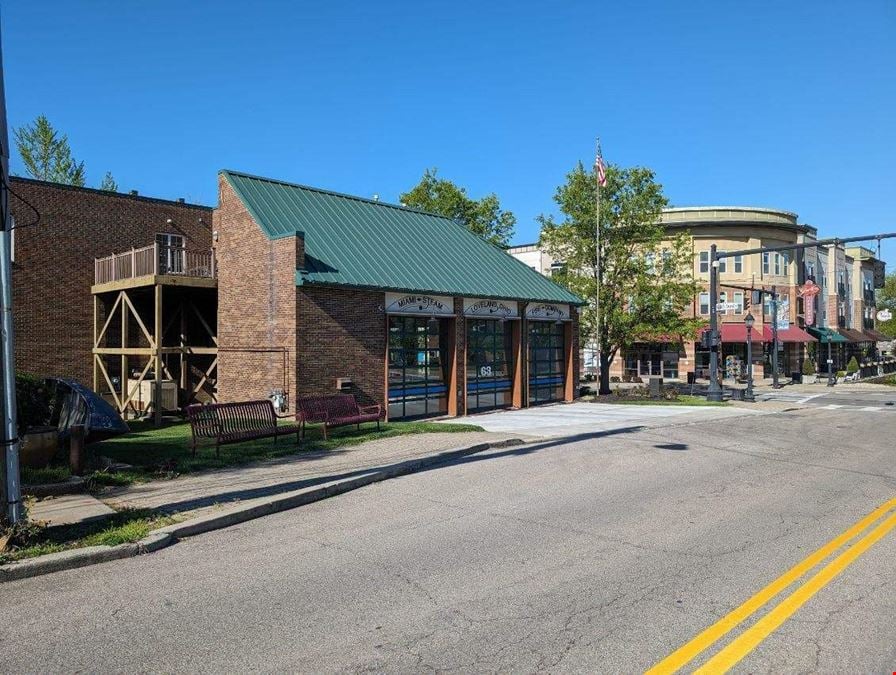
(350, 241)
(826, 334)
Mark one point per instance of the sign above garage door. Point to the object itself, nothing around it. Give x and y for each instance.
(547, 311)
(494, 309)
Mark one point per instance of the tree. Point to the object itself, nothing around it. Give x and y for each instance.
(481, 216)
(646, 276)
(47, 155)
(108, 183)
(886, 299)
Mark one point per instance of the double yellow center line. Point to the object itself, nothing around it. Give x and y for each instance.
(753, 636)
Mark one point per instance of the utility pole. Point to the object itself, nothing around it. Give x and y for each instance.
(715, 387)
(775, 383)
(11, 488)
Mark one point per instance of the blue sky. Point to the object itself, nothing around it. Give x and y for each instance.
(782, 104)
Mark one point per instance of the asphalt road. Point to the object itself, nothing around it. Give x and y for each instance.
(589, 554)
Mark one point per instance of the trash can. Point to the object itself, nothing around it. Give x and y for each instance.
(796, 377)
(692, 377)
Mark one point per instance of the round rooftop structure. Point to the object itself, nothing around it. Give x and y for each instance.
(695, 216)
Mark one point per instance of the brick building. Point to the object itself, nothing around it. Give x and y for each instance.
(843, 309)
(322, 292)
(60, 296)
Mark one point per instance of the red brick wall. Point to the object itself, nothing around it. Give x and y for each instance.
(256, 304)
(341, 333)
(53, 267)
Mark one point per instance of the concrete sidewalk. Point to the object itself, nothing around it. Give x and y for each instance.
(288, 474)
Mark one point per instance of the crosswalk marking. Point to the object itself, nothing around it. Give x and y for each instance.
(833, 406)
(871, 408)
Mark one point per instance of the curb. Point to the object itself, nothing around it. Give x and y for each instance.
(71, 486)
(159, 539)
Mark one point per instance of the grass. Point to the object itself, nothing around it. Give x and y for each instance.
(890, 381)
(124, 527)
(50, 474)
(165, 451)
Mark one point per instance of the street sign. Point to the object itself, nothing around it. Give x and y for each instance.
(725, 306)
(884, 315)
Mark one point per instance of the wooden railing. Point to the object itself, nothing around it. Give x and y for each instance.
(152, 260)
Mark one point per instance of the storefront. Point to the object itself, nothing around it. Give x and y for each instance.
(549, 335)
(493, 338)
(420, 351)
(650, 359)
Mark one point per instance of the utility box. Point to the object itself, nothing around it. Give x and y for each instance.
(146, 395)
(655, 386)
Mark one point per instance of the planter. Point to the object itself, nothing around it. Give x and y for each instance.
(38, 447)
(810, 379)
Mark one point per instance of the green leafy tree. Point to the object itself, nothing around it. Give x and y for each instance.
(852, 366)
(646, 276)
(886, 299)
(108, 183)
(481, 216)
(47, 155)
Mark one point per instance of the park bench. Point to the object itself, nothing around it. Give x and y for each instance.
(335, 410)
(236, 422)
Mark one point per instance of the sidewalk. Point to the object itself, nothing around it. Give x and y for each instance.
(287, 474)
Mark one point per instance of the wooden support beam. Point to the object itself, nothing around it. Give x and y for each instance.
(205, 325)
(137, 384)
(97, 338)
(153, 342)
(96, 372)
(99, 361)
(124, 345)
(157, 402)
(205, 377)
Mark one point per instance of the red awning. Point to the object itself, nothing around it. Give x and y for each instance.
(737, 332)
(794, 334)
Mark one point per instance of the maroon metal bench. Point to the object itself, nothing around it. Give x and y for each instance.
(236, 422)
(336, 410)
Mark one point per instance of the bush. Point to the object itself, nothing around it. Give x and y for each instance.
(32, 402)
(637, 379)
(852, 366)
(626, 378)
(841, 373)
(615, 378)
(808, 367)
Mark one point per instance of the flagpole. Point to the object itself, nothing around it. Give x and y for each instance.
(597, 361)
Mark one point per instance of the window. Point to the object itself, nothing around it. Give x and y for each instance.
(723, 297)
(723, 264)
(704, 262)
(777, 264)
(767, 304)
(704, 304)
(738, 264)
(650, 263)
(785, 259)
(739, 302)
(765, 268)
(171, 253)
(810, 270)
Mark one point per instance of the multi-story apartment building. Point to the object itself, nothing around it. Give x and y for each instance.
(843, 307)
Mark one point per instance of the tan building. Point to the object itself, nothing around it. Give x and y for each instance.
(843, 309)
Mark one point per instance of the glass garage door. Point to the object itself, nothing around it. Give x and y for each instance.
(547, 361)
(418, 367)
(489, 364)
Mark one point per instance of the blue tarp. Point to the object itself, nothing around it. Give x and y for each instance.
(76, 404)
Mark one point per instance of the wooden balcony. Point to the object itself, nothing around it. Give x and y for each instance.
(155, 264)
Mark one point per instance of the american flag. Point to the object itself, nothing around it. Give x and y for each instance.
(600, 169)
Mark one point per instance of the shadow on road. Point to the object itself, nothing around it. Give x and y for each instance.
(291, 486)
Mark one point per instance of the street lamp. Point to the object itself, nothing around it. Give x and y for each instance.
(748, 322)
(827, 338)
